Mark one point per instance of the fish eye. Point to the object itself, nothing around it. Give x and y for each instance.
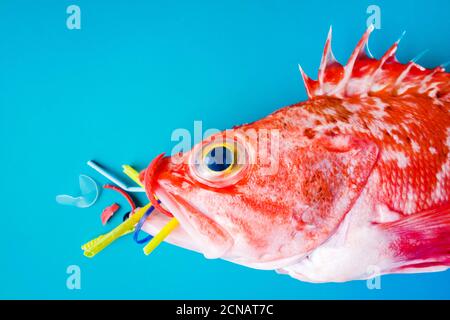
(219, 163)
(219, 158)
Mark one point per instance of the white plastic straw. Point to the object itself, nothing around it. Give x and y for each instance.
(112, 178)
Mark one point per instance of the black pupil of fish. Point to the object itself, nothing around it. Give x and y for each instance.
(219, 159)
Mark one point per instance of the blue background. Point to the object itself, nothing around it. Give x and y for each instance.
(116, 89)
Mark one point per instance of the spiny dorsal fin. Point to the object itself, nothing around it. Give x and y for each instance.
(330, 70)
(363, 75)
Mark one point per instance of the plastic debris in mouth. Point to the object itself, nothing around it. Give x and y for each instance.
(162, 234)
(139, 225)
(133, 222)
(89, 194)
(96, 245)
(173, 223)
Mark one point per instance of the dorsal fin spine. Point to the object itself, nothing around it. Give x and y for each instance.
(348, 69)
(327, 58)
(364, 75)
(306, 81)
(388, 55)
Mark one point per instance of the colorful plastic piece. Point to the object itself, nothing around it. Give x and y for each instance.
(157, 239)
(96, 245)
(132, 174)
(108, 212)
(123, 193)
(89, 194)
(113, 178)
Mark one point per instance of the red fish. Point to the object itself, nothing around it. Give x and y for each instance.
(355, 179)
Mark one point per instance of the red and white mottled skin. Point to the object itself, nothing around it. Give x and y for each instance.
(362, 180)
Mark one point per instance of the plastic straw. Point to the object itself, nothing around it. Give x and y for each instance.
(96, 245)
(132, 174)
(163, 233)
(113, 178)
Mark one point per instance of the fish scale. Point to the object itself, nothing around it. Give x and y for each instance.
(417, 176)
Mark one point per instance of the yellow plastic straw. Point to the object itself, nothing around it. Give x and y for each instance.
(96, 245)
(163, 233)
(166, 230)
(132, 174)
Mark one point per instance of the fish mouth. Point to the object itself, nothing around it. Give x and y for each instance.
(196, 231)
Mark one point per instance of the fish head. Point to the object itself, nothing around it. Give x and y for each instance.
(261, 195)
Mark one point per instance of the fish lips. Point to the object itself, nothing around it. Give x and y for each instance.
(207, 236)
